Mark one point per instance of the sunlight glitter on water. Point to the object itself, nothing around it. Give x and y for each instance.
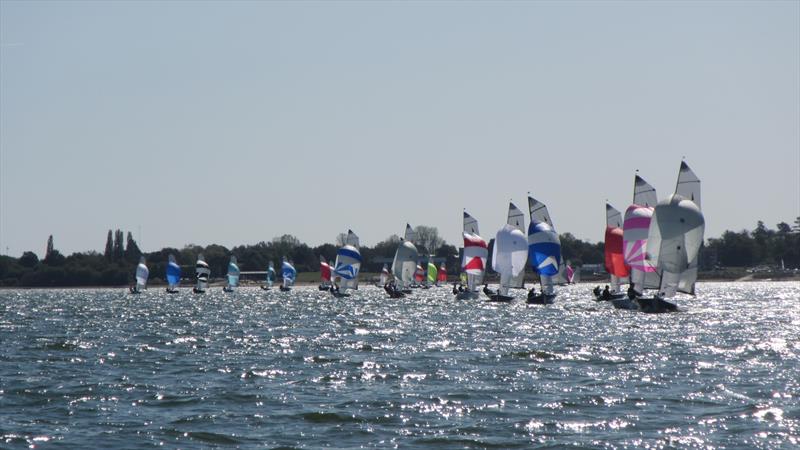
(303, 370)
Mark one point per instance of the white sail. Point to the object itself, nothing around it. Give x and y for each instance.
(688, 185)
(405, 263)
(409, 235)
(142, 273)
(470, 224)
(202, 273)
(517, 220)
(676, 234)
(643, 193)
(509, 255)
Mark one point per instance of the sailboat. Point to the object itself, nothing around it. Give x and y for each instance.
(433, 273)
(347, 266)
(233, 275)
(419, 276)
(544, 248)
(635, 230)
(473, 266)
(325, 274)
(384, 276)
(614, 258)
(561, 278)
(442, 278)
(289, 274)
(202, 273)
(142, 273)
(403, 266)
(674, 240)
(571, 274)
(270, 278)
(173, 275)
(509, 255)
(517, 220)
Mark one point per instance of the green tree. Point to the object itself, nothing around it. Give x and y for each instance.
(29, 260)
(119, 249)
(109, 252)
(49, 248)
(132, 252)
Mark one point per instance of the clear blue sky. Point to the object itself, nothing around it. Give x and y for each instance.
(234, 122)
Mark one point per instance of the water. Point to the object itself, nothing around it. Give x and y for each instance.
(102, 368)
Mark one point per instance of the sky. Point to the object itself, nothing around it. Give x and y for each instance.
(235, 122)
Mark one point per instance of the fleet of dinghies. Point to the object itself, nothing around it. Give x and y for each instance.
(660, 245)
(652, 248)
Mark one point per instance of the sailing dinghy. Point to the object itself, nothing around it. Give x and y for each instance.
(233, 275)
(347, 266)
(404, 265)
(674, 240)
(289, 275)
(509, 255)
(544, 248)
(270, 277)
(202, 274)
(473, 265)
(614, 258)
(173, 275)
(142, 273)
(325, 274)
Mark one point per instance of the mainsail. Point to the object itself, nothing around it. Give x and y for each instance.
(614, 258)
(509, 254)
(544, 245)
(173, 273)
(348, 263)
(676, 234)
(475, 253)
(635, 229)
(142, 273)
(404, 263)
(233, 273)
(202, 273)
(517, 220)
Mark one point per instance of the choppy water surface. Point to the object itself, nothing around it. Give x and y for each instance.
(103, 368)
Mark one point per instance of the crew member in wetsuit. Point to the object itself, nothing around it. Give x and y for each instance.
(596, 291)
(631, 292)
(532, 293)
(606, 293)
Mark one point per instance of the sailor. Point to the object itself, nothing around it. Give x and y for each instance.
(532, 293)
(631, 292)
(606, 293)
(596, 291)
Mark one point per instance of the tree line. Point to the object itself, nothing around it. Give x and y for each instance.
(116, 265)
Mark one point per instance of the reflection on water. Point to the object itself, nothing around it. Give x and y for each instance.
(304, 370)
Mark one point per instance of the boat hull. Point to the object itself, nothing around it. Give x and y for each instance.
(655, 305)
(467, 295)
(625, 303)
(541, 299)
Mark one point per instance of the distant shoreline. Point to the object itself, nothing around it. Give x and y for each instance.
(746, 279)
